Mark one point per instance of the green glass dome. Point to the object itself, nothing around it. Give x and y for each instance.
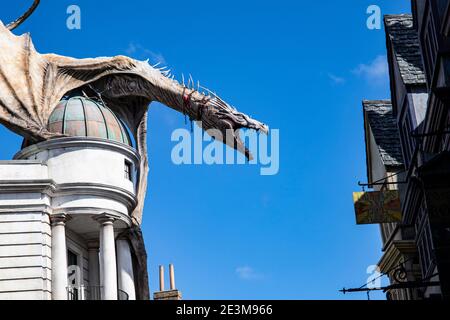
(83, 117)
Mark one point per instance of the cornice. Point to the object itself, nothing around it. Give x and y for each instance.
(395, 251)
(78, 142)
(52, 189)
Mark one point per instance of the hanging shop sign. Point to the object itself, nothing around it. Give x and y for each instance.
(376, 207)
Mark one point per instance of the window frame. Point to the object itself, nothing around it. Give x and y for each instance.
(128, 170)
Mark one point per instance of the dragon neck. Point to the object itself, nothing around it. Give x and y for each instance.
(178, 97)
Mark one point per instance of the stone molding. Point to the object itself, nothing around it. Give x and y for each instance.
(50, 188)
(78, 142)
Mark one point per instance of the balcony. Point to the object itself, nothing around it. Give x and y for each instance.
(91, 293)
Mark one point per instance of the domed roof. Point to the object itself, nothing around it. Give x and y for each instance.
(83, 117)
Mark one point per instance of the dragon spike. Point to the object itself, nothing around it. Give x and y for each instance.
(208, 91)
(191, 81)
(182, 77)
(157, 64)
(216, 97)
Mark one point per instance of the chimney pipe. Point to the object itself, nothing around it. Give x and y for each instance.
(161, 278)
(172, 277)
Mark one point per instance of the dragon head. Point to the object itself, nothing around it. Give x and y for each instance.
(223, 122)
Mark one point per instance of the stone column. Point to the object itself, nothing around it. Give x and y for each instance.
(125, 268)
(59, 257)
(108, 268)
(94, 271)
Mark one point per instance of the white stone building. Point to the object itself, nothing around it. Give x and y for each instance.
(64, 206)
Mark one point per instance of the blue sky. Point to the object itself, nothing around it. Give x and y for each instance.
(302, 67)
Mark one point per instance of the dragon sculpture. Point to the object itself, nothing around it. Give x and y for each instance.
(32, 84)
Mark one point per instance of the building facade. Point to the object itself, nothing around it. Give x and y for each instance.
(431, 21)
(384, 169)
(65, 209)
(418, 53)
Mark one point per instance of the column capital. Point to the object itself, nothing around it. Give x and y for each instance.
(106, 218)
(93, 245)
(59, 219)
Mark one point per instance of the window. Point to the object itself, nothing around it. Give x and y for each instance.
(442, 8)
(446, 137)
(430, 44)
(406, 128)
(128, 170)
(425, 245)
(72, 259)
(72, 290)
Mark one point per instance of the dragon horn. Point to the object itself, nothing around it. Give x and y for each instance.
(13, 25)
